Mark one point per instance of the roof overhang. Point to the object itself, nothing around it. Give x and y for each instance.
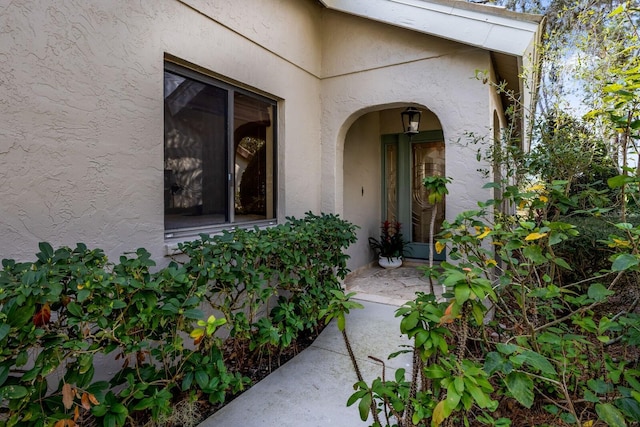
(488, 27)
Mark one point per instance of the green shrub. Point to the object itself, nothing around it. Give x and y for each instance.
(585, 252)
(291, 268)
(567, 347)
(70, 305)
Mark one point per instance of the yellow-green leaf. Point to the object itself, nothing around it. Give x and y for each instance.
(196, 333)
(364, 406)
(491, 262)
(485, 233)
(610, 415)
(618, 10)
(341, 322)
(535, 236)
(438, 414)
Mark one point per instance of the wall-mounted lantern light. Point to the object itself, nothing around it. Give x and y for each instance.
(411, 120)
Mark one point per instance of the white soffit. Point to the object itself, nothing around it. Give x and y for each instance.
(488, 27)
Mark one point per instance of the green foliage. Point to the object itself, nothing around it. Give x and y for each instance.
(560, 336)
(567, 150)
(561, 256)
(552, 338)
(586, 252)
(339, 306)
(300, 261)
(437, 188)
(60, 312)
(444, 381)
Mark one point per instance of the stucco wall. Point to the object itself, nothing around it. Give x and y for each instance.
(81, 151)
(362, 177)
(81, 96)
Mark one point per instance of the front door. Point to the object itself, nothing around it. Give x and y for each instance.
(406, 162)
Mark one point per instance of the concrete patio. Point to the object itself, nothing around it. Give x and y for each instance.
(312, 389)
(392, 287)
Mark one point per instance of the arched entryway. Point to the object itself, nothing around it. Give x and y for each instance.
(383, 170)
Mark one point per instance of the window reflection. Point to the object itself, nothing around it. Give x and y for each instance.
(210, 176)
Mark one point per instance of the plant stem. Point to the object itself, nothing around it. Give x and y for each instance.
(356, 367)
(432, 225)
(408, 413)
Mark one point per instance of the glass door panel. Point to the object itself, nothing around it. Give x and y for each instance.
(406, 162)
(391, 182)
(427, 159)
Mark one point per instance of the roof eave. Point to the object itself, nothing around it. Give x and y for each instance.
(487, 27)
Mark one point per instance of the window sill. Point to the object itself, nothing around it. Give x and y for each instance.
(172, 239)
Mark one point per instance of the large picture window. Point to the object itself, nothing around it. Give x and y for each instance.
(219, 154)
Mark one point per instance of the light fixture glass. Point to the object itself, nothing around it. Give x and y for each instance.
(411, 120)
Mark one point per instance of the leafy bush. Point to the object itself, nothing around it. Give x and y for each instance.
(290, 268)
(510, 333)
(585, 252)
(58, 313)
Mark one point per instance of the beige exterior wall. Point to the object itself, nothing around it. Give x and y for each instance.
(362, 184)
(81, 159)
(81, 148)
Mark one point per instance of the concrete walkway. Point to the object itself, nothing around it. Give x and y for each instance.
(312, 389)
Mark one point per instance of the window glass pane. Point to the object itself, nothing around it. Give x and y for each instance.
(195, 175)
(253, 159)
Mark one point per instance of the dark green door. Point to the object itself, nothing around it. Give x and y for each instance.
(405, 162)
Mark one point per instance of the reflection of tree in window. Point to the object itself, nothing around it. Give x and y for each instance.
(253, 143)
(250, 176)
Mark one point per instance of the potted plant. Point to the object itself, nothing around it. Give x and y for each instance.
(391, 246)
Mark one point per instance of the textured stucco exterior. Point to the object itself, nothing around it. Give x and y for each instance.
(81, 151)
(81, 96)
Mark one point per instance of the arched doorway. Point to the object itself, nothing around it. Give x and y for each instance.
(379, 182)
(406, 161)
